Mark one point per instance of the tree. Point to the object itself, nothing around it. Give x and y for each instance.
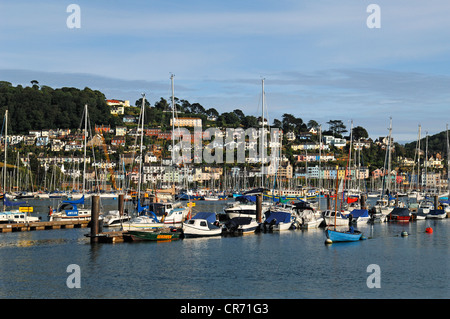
(162, 105)
(212, 112)
(138, 103)
(337, 127)
(312, 124)
(359, 132)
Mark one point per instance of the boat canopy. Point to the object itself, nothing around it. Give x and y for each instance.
(210, 217)
(246, 198)
(359, 213)
(278, 217)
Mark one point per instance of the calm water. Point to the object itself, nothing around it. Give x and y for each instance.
(292, 264)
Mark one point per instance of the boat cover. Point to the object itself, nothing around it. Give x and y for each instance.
(6, 202)
(359, 213)
(400, 211)
(246, 198)
(283, 217)
(237, 221)
(210, 217)
(74, 202)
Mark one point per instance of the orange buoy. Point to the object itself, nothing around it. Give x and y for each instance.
(429, 230)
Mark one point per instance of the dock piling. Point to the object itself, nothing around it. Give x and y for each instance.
(259, 208)
(95, 212)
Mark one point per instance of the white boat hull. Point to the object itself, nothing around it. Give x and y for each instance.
(199, 231)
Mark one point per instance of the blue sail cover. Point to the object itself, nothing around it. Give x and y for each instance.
(359, 213)
(139, 207)
(6, 202)
(210, 217)
(75, 202)
(279, 217)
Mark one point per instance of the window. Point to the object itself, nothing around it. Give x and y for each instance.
(203, 223)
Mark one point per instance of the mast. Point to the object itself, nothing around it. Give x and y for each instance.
(4, 162)
(418, 159)
(448, 165)
(140, 148)
(173, 119)
(389, 157)
(426, 160)
(85, 140)
(320, 160)
(262, 138)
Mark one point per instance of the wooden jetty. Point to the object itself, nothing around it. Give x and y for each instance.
(6, 228)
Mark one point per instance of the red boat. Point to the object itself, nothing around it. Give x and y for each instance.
(400, 214)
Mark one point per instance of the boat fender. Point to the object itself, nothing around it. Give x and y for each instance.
(404, 233)
(328, 241)
(429, 230)
(440, 207)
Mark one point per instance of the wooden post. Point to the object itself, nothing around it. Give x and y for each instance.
(436, 202)
(328, 201)
(259, 208)
(95, 212)
(121, 197)
(363, 201)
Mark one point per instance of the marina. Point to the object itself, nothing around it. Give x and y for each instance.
(227, 262)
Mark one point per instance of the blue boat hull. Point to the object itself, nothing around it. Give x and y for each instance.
(338, 236)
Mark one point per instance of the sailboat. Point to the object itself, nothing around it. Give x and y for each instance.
(75, 209)
(334, 235)
(13, 215)
(145, 219)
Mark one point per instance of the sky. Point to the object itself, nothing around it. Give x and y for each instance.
(319, 59)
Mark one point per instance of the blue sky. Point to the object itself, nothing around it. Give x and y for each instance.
(319, 59)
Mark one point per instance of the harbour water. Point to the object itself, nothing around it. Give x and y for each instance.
(288, 265)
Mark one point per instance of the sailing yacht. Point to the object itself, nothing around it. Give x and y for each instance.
(75, 209)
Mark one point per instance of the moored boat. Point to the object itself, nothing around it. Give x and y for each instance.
(155, 235)
(343, 236)
(437, 214)
(241, 225)
(70, 210)
(401, 214)
(203, 224)
(276, 220)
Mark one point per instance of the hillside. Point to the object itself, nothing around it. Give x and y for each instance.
(37, 108)
(436, 144)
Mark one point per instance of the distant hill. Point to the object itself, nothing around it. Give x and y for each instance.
(436, 144)
(42, 107)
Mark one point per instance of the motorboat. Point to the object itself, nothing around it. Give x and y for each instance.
(114, 219)
(383, 207)
(400, 214)
(241, 225)
(277, 220)
(244, 206)
(169, 213)
(155, 235)
(16, 216)
(332, 217)
(142, 222)
(359, 216)
(425, 206)
(203, 224)
(437, 214)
